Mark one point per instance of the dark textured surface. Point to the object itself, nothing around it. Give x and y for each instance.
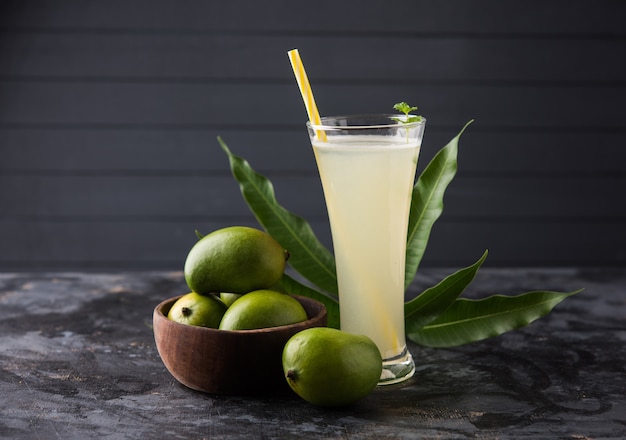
(78, 360)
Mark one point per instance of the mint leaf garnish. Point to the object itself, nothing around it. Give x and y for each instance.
(405, 108)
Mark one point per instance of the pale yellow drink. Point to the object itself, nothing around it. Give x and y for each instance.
(367, 167)
(367, 183)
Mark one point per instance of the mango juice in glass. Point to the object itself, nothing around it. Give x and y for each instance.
(367, 167)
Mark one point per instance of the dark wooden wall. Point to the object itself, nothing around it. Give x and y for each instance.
(109, 113)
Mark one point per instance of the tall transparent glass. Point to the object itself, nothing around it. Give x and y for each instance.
(367, 167)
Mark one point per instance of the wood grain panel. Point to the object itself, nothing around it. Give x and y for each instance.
(215, 105)
(205, 58)
(109, 113)
(327, 17)
(180, 197)
(130, 246)
(140, 151)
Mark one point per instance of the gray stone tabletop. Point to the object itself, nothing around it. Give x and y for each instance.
(78, 360)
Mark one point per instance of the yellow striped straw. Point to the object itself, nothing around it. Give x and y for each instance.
(305, 90)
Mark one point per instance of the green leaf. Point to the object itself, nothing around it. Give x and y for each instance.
(427, 203)
(437, 317)
(472, 320)
(432, 302)
(308, 256)
(404, 107)
(296, 288)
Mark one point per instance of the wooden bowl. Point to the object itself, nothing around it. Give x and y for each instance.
(228, 362)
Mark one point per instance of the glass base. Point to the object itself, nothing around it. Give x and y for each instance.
(397, 369)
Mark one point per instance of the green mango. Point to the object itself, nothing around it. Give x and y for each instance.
(329, 367)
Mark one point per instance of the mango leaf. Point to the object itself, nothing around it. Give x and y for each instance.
(296, 288)
(427, 203)
(470, 320)
(437, 317)
(432, 302)
(308, 256)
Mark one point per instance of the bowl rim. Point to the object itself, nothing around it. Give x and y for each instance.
(159, 312)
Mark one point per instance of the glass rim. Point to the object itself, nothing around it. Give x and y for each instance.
(389, 116)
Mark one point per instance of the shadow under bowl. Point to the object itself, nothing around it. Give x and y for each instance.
(229, 362)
